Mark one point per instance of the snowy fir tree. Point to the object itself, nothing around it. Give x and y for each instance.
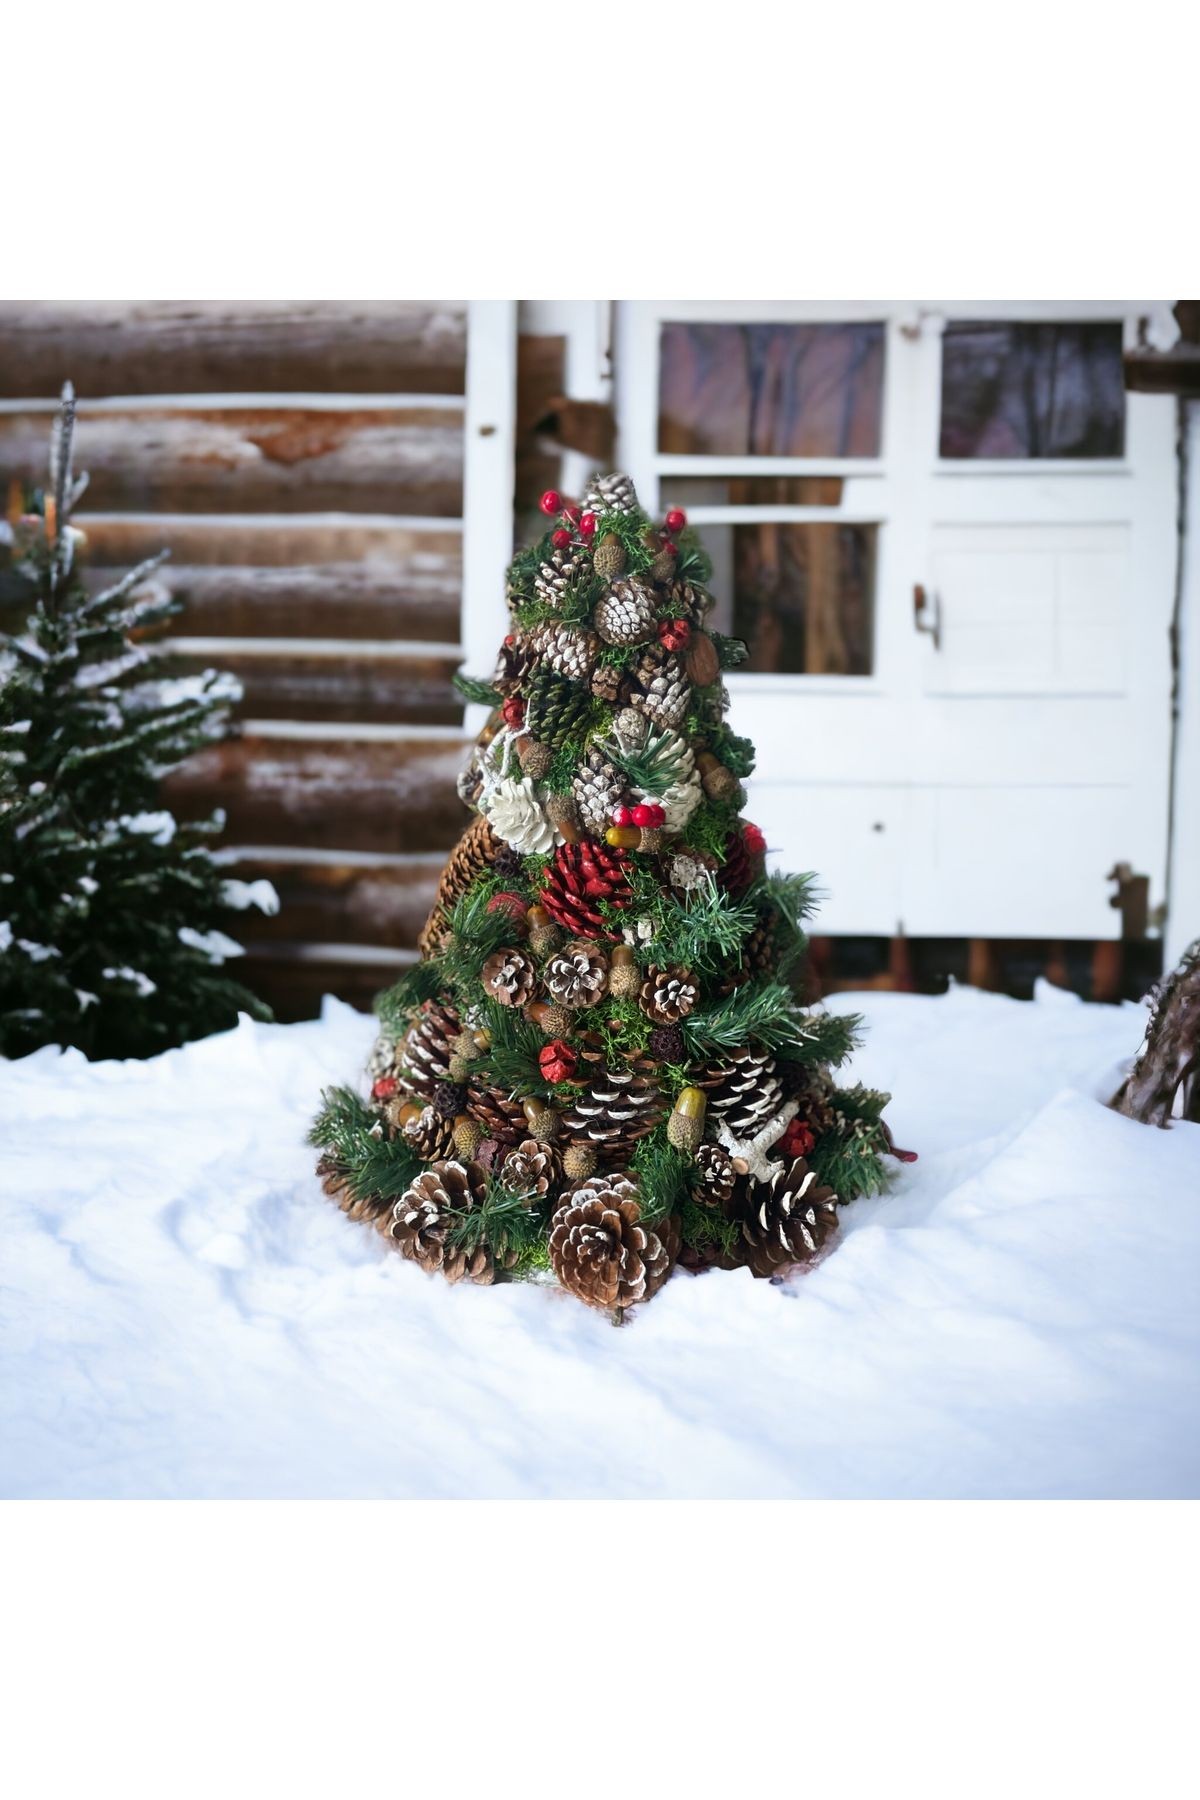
(109, 908)
(602, 1065)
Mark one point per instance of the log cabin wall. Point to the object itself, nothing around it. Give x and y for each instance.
(303, 463)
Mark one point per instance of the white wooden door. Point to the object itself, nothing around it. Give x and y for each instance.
(952, 536)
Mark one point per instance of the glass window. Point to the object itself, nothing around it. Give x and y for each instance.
(802, 596)
(1029, 390)
(770, 390)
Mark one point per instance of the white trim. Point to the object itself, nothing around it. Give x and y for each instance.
(394, 649)
(668, 464)
(123, 403)
(332, 731)
(298, 856)
(489, 473)
(307, 521)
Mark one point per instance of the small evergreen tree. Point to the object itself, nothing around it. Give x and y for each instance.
(108, 906)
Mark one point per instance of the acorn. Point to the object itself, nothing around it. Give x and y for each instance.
(563, 814)
(542, 1120)
(650, 840)
(458, 1068)
(535, 758)
(718, 782)
(554, 1020)
(623, 837)
(608, 558)
(624, 976)
(685, 1127)
(544, 934)
(468, 1135)
(701, 661)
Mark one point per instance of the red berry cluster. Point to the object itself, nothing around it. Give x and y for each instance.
(648, 814)
(554, 506)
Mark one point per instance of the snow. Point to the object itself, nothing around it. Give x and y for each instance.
(239, 896)
(186, 1315)
(213, 944)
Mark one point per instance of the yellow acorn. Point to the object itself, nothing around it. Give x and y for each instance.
(685, 1127)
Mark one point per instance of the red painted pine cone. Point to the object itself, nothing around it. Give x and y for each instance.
(579, 876)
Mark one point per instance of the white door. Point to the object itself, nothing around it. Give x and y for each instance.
(949, 537)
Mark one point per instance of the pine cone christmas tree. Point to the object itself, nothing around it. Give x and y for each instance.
(601, 1252)
(787, 1220)
(612, 1012)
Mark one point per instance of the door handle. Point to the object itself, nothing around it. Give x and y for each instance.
(927, 615)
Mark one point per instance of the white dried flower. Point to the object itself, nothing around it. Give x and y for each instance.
(515, 813)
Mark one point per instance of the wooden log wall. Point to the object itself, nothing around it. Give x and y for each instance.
(303, 465)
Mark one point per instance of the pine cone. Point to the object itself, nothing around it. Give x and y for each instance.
(475, 851)
(425, 1213)
(611, 493)
(757, 956)
(554, 706)
(555, 579)
(737, 870)
(601, 1252)
(666, 1044)
(608, 683)
(510, 977)
(717, 1175)
(427, 1049)
(449, 1099)
(499, 1112)
(576, 878)
(577, 975)
(660, 688)
(626, 613)
(688, 602)
(668, 995)
(618, 1106)
(668, 765)
(367, 1209)
(514, 662)
(744, 1089)
(787, 1220)
(568, 650)
(531, 1169)
(597, 789)
(508, 863)
(814, 1089)
(430, 1134)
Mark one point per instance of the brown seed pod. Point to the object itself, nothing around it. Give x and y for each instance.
(534, 757)
(579, 1160)
(701, 661)
(624, 976)
(608, 559)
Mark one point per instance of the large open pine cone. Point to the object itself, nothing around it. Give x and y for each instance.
(368, 1209)
(509, 976)
(578, 876)
(425, 1214)
(475, 851)
(427, 1049)
(601, 1252)
(787, 1220)
(567, 650)
(626, 613)
(430, 1134)
(618, 1106)
(576, 975)
(611, 493)
(744, 1089)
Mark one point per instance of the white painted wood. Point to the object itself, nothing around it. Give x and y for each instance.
(1183, 900)
(488, 477)
(987, 788)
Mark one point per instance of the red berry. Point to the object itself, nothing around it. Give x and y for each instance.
(754, 840)
(511, 905)
(551, 502)
(560, 538)
(642, 815)
(385, 1087)
(587, 525)
(798, 1139)
(622, 815)
(572, 513)
(676, 519)
(658, 815)
(511, 638)
(514, 711)
(671, 548)
(673, 634)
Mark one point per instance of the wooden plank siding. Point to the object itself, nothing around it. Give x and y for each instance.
(303, 465)
(126, 348)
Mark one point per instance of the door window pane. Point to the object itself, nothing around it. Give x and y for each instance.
(1020, 389)
(770, 390)
(802, 596)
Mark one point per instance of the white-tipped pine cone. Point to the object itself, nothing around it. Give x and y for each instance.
(597, 789)
(611, 493)
(515, 813)
(600, 1250)
(661, 689)
(555, 579)
(423, 1216)
(625, 614)
(577, 975)
(673, 763)
(570, 649)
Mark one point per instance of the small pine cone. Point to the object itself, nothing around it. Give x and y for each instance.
(509, 977)
(449, 1098)
(367, 1209)
(608, 558)
(626, 613)
(609, 683)
(618, 1106)
(513, 664)
(600, 1250)
(577, 878)
(425, 1054)
(786, 1220)
(597, 789)
(744, 1089)
(814, 1089)
(577, 975)
(556, 578)
(475, 851)
(430, 1133)
(668, 995)
(508, 863)
(498, 1111)
(568, 650)
(660, 688)
(534, 757)
(666, 1044)
(425, 1212)
(737, 869)
(530, 1168)
(716, 1175)
(579, 1161)
(556, 705)
(688, 602)
(611, 493)
(631, 729)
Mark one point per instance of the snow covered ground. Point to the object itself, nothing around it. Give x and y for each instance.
(184, 1314)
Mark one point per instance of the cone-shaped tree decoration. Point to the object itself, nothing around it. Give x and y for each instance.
(606, 1011)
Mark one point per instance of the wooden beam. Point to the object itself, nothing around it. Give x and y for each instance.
(350, 902)
(337, 684)
(1174, 371)
(115, 347)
